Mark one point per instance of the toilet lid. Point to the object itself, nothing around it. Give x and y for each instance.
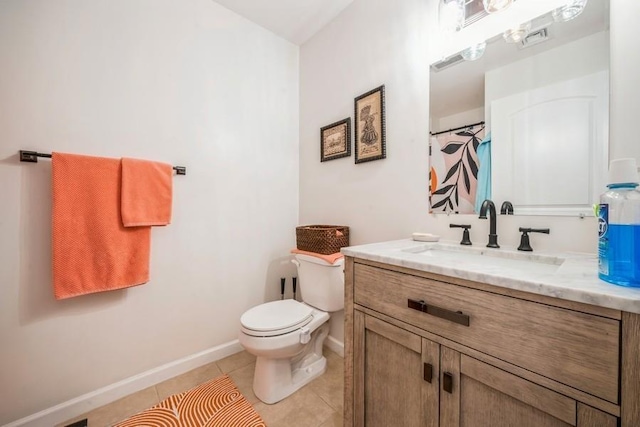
(277, 317)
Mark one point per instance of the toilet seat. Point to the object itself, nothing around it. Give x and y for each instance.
(276, 318)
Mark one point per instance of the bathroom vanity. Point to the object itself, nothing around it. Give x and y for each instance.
(441, 335)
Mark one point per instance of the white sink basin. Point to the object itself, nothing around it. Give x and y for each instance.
(500, 258)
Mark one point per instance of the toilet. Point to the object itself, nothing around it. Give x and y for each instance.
(287, 336)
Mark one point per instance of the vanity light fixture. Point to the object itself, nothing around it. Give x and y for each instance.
(572, 9)
(517, 34)
(493, 6)
(474, 52)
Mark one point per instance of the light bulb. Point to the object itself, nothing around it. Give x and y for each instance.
(569, 11)
(473, 52)
(451, 15)
(517, 34)
(492, 6)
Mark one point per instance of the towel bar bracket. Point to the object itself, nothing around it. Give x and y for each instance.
(32, 157)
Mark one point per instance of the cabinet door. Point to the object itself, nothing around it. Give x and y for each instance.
(475, 394)
(396, 376)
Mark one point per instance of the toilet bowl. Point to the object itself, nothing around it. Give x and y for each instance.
(287, 336)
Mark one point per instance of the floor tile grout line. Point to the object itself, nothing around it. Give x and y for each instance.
(324, 400)
(155, 388)
(326, 419)
(328, 404)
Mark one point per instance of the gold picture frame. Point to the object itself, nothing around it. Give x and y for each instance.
(370, 138)
(335, 140)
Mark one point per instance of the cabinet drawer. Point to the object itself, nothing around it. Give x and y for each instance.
(573, 348)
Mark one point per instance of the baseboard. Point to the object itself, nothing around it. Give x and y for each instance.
(335, 345)
(95, 399)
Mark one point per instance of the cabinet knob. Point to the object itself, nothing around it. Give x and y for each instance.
(428, 372)
(447, 382)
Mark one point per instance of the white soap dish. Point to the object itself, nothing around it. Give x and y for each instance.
(425, 237)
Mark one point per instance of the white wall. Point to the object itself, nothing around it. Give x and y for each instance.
(456, 120)
(370, 43)
(377, 42)
(625, 78)
(182, 81)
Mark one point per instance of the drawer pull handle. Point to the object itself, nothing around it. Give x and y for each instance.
(443, 313)
(447, 382)
(428, 372)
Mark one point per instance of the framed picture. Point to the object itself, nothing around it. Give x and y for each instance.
(370, 126)
(335, 140)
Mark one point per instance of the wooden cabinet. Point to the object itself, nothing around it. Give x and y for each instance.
(396, 373)
(483, 395)
(555, 342)
(426, 350)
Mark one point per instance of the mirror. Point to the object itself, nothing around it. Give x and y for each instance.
(528, 120)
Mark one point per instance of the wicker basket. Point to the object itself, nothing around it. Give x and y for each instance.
(322, 239)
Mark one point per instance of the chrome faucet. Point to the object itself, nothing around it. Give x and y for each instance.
(493, 237)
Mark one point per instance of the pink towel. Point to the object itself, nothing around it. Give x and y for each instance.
(146, 193)
(92, 250)
(331, 258)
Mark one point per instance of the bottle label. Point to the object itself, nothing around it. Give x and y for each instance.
(603, 239)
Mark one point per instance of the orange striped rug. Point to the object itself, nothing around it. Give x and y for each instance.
(216, 403)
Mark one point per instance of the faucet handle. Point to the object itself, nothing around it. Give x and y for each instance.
(524, 239)
(466, 240)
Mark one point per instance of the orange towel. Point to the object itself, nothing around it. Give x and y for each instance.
(146, 192)
(331, 259)
(92, 250)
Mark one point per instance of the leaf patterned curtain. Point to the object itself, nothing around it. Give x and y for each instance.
(453, 172)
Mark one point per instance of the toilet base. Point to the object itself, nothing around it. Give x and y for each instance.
(275, 379)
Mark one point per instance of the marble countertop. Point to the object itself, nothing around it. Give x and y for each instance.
(569, 276)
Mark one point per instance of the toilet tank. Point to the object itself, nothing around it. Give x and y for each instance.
(321, 283)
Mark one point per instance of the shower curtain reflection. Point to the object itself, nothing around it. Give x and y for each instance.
(453, 171)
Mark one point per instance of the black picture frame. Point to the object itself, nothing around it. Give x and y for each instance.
(370, 126)
(335, 140)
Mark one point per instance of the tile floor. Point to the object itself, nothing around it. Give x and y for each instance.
(318, 404)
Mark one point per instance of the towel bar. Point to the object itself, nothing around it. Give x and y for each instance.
(32, 157)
